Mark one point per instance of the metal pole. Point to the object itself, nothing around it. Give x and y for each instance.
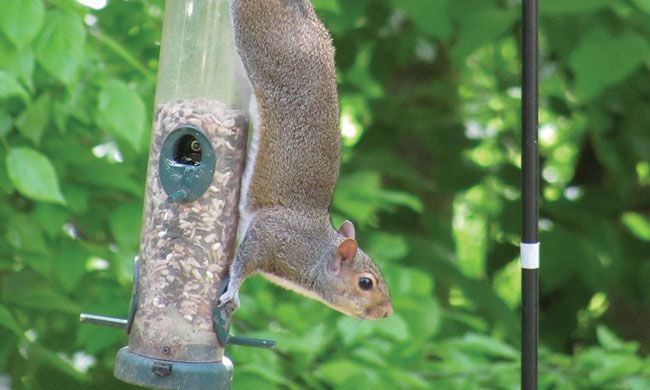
(530, 200)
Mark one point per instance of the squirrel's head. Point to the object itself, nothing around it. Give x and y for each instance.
(360, 290)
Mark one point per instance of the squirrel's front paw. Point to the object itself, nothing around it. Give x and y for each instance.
(230, 298)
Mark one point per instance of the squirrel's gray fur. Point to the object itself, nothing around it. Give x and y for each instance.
(293, 164)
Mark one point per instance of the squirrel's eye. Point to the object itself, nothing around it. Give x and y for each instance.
(365, 283)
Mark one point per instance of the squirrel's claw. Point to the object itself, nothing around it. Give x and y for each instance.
(230, 298)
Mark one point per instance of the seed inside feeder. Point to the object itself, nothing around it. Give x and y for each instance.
(185, 248)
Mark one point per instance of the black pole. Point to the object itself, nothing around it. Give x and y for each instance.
(530, 202)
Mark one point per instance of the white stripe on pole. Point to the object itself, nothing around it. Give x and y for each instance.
(529, 255)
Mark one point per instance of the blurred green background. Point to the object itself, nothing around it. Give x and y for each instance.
(430, 97)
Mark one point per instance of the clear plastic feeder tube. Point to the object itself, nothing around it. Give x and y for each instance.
(195, 167)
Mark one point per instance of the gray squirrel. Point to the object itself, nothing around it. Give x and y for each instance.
(293, 165)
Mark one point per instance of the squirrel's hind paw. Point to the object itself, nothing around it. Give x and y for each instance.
(229, 298)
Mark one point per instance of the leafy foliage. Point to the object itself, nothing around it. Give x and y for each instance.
(429, 100)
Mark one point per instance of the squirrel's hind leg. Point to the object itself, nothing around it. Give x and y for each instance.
(251, 252)
(231, 296)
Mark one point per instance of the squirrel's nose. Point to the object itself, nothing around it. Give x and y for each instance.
(389, 310)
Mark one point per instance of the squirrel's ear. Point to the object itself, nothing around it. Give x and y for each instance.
(347, 230)
(344, 254)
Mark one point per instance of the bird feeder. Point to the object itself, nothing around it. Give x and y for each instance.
(177, 334)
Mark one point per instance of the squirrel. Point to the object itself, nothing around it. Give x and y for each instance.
(293, 165)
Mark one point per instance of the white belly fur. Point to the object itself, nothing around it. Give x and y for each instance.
(303, 291)
(245, 213)
(291, 286)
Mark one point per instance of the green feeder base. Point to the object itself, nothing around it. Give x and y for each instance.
(164, 374)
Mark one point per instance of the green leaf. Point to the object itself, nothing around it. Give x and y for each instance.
(7, 321)
(33, 175)
(21, 20)
(638, 225)
(480, 23)
(125, 225)
(310, 342)
(339, 19)
(10, 87)
(5, 184)
(271, 379)
(395, 328)
(327, 5)
(353, 330)
(563, 7)
(51, 218)
(598, 62)
(369, 355)
(616, 366)
(422, 316)
(6, 124)
(470, 237)
(32, 122)
(341, 371)
(430, 16)
(480, 344)
(410, 380)
(387, 247)
(507, 283)
(29, 290)
(611, 342)
(122, 112)
(25, 235)
(413, 282)
(59, 115)
(70, 265)
(636, 382)
(76, 198)
(643, 4)
(401, 199)
(360, 196)
(54, 360)
(19, 62)
(101, 173)
(353, 196)
(60, 45)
